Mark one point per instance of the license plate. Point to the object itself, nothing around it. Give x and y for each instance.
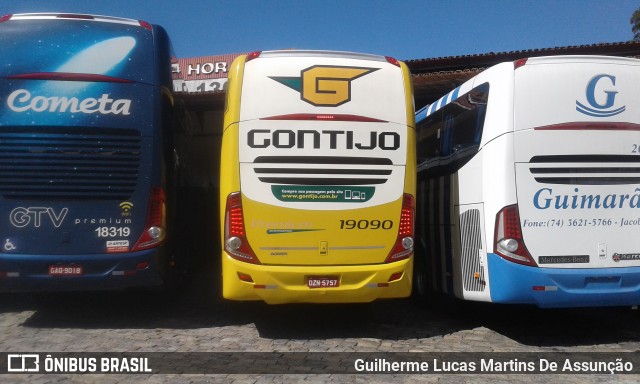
(65, 270)
(323, 281)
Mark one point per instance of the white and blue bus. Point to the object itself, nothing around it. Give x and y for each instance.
(529, 185)
(87, 160)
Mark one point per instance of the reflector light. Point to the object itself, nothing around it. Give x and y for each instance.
(383, 285)
(519, 63)
(264, 286)
(244, 277)
(325, 117)
(155, 226)
(123, 273)
(253, 55)
(392, 61)
(235, 237)
(508, 241)
(142, 265)
(403, 248)
(537, 288)
(395, 276)
(547, 288)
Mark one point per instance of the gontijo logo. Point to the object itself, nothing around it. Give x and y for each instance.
(325, 86)
(602, 103)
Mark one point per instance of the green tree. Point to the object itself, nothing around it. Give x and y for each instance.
(635, 24)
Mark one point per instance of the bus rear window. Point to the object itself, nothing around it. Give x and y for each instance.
(76, 46)
(449, 137)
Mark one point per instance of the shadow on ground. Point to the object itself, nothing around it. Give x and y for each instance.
(386, 320)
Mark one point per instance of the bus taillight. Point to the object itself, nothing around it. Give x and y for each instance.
(155, 227)
(403, 247)
(235, 236)
(509, 243)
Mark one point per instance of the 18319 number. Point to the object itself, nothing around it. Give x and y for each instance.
(113, 231)
(366, 224)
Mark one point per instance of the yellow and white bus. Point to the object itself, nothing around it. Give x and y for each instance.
(317, 179)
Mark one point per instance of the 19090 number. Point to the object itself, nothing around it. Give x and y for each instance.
(366, 224)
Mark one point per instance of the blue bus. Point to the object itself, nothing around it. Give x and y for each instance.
(88, 161)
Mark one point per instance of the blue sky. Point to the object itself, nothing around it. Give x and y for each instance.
(405, 29)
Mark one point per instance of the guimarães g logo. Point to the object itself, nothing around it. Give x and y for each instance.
(323, 85)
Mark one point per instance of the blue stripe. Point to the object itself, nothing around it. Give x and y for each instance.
(422, 113)
(438, 104)
(455, 92)
(431, 108)
(443, 101)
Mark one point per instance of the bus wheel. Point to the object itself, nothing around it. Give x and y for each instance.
(423, 292)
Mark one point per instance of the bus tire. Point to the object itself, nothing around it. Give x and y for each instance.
(423, 292)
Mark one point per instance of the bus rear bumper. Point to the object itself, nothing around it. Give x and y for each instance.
(288, 284)
(560, 287)
(113, 271)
